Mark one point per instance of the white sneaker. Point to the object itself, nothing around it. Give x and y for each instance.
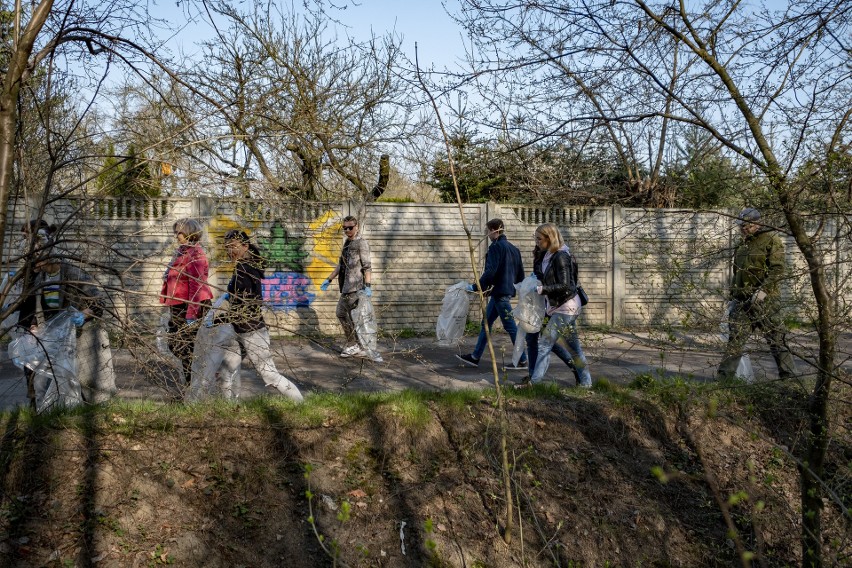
(351, 351)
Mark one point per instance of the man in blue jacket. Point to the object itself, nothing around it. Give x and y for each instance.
(503, 269)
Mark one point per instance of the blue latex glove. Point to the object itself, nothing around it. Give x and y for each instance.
(190, 321)
(471, 288)
(324, 285)
(78, 319)
(368, 292)
(208, 319)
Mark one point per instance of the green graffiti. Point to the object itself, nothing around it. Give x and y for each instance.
(283, 251)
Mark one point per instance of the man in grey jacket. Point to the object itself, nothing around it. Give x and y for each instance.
(353, 273)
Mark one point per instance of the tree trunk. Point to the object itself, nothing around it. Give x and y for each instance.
(813, 463)
(18, 69)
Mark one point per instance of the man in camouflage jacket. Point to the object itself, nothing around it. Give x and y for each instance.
(759, 266)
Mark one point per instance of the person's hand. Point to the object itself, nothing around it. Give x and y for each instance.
(78, 319)
(190, 321)
(539, 290)
(220, 300)
(758, 297)
(368, 292)
(471, 288)
(324, 285)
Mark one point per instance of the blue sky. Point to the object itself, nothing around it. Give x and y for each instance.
(424, 22)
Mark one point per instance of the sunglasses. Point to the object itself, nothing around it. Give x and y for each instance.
(349, 228)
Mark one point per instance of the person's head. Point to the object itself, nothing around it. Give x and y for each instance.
(548, 238)
(239, 245)
(187, 231)
(494, 228)
(748, 220)
(45, 260)
(350, 226)
(32, 226)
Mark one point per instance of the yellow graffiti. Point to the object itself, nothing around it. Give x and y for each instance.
(325, 231)
(219, 225)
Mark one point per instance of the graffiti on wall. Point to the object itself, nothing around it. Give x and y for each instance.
(288, 287)
(296, 265)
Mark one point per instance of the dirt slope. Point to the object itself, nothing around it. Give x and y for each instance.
(226, 486)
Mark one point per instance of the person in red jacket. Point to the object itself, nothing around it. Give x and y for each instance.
(185, 291)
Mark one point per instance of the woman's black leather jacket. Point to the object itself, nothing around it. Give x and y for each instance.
(559, 283)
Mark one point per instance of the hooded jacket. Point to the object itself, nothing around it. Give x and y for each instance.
(759, 265)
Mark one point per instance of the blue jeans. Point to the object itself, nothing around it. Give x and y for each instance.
(561, 326)
(558, 350)
(498, 306)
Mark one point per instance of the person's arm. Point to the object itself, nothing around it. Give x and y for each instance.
(493, 258)
(366, 264)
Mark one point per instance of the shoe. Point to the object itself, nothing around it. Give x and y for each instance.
(525, 383)
(582, 386)
(351, 351)
(521, 366)
(372, 356)
(469, 360)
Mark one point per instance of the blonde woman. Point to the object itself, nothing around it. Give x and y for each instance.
(557, 272)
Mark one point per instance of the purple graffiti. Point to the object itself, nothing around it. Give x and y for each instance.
(287, 291)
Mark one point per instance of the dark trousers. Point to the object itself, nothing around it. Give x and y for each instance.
(182, 335)
(766, 318)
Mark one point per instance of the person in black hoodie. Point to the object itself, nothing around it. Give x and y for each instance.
(245, 298)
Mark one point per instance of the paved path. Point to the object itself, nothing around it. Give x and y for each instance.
(418, 363)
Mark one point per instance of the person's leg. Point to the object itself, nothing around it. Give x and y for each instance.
(345, 305)
(504, 309)
(772, 327)
(182, 339)
(31, 395)
(739, 328)
(257, 348)
(563, 354)
(491, 314)
(568, 331)
(546, 340)
(532, 351)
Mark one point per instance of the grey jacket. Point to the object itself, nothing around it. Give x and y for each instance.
(353, 262)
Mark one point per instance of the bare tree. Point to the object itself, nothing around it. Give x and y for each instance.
(287, 102)
(772, 88)
(83, 37)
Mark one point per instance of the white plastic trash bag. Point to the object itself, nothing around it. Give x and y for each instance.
(364, 319)
(163, 334)
(216, 364)
(744, 371)
(50, 353)
(453, 316)
(529, 313)
(520, 347)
